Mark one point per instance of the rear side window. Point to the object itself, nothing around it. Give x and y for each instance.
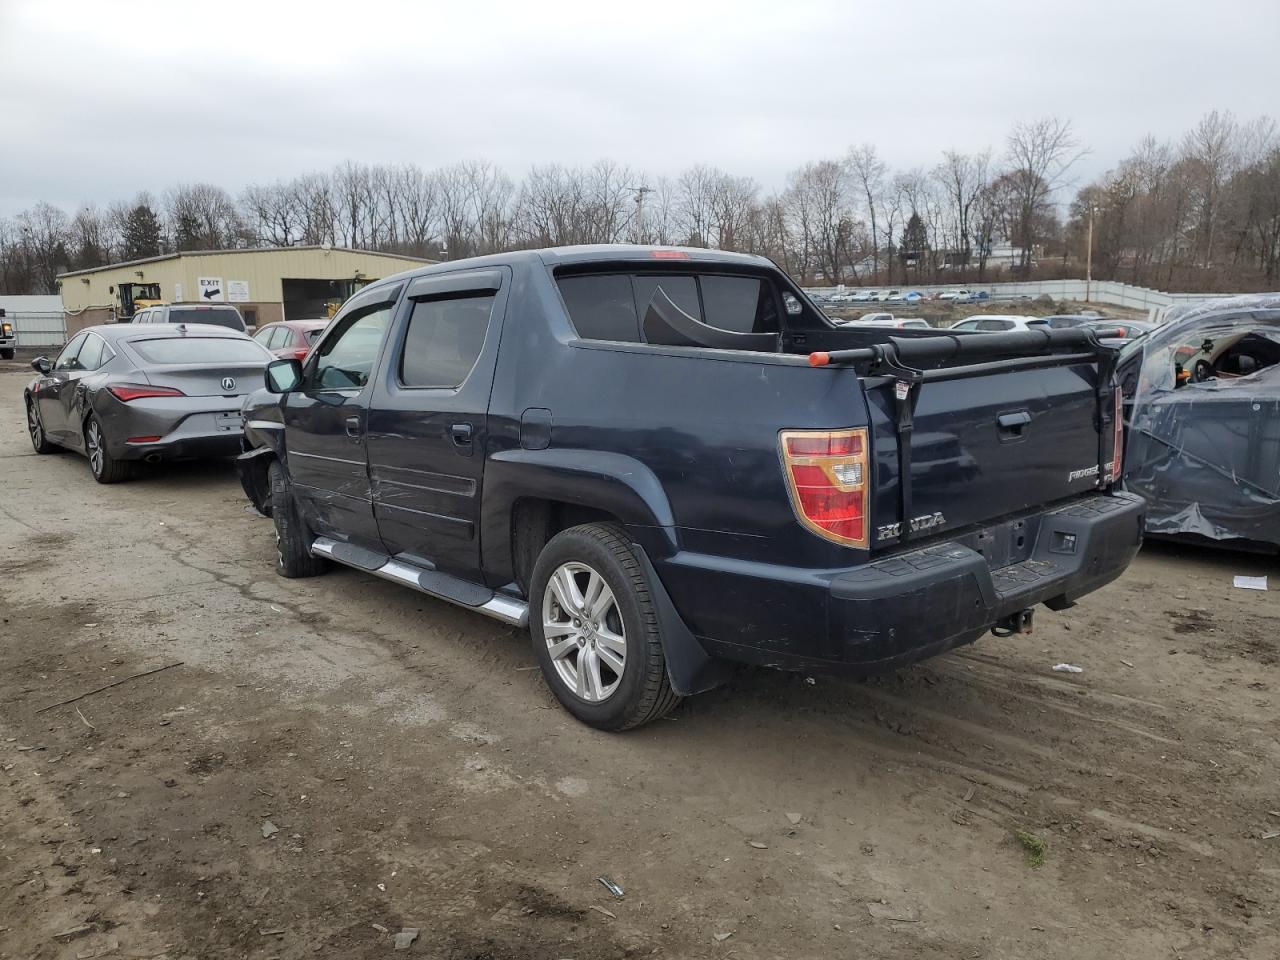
(93, 354)
(227, 317)
(602, 307)
(199, 350)
(613, 306)
(444, 341)
(991, 325)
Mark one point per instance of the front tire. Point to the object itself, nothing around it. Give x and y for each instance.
(6, 354)
(35, 427)
(293, 543)
(104, 467)
(595, 629)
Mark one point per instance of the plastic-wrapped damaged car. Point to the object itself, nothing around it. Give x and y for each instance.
(1202, 395)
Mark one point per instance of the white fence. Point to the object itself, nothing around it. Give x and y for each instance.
(38, 328)
(1155, 302)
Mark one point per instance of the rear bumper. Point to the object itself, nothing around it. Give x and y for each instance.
(188, 427)
(912, 605)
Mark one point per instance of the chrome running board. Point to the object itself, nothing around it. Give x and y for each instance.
(433, 583)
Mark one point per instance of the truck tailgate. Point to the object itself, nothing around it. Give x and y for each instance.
(984, 447)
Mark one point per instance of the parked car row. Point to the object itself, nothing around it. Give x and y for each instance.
(662, 462)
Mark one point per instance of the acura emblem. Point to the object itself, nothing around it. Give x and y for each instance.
(228, 384)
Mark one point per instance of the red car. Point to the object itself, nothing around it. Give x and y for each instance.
(290, 339)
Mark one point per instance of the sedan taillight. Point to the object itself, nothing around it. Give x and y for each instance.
(141, 391)
(827, 478)
(301, 353)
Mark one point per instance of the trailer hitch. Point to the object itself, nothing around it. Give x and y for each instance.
(1015, 623)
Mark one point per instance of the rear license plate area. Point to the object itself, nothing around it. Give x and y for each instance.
(226, 422)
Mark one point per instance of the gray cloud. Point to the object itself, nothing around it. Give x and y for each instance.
(100, 100)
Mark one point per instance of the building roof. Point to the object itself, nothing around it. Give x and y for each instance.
(246, 250)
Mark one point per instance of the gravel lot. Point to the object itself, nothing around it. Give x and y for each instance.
(418, 774)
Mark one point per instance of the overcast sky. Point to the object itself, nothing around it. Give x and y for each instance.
(102, 98)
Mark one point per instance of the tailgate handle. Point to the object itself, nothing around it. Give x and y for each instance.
(1011, 424)
(1010, 421)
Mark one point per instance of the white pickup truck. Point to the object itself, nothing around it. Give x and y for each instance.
(8, 337)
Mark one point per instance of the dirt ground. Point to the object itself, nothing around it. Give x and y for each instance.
(417, 773)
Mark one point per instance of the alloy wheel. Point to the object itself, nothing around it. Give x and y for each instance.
(34, 427)
(93, 445)
(584, 633)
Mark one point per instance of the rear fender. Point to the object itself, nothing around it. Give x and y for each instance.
(611, 482)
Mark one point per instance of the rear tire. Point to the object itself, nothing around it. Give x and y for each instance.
(579, 627)
(104, 467)
(293, 540)
(35, 427)
(6, 354)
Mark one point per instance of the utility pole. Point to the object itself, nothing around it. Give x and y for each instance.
(640, 192)
(1088, 259)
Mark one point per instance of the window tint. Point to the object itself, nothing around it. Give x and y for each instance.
(345, 360)
(613, 306)
(313, 335)
(67, 358)
(199, 350)
(444, 340)
(683, 292)
(92, 354)
(739, 304)
(601, 307)
(219, 316)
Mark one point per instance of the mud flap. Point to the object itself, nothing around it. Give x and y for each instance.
(252, 469)
(689, 667)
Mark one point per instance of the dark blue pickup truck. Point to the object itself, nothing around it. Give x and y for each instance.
(664, 461)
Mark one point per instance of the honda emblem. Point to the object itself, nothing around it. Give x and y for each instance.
(228, 384)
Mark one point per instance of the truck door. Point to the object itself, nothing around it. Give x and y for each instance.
(324, 422)
(428, 426)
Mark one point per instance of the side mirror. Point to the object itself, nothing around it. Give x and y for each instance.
(283, 376)
(41, 365)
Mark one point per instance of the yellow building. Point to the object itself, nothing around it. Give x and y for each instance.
(274, 283)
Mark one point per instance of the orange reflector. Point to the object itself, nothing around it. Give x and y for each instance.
(819, 359)
(1117, 442)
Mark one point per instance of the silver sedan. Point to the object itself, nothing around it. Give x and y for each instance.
(123, 394)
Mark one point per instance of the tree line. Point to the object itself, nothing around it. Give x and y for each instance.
(1198, 212)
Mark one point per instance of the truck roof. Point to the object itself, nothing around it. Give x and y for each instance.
(588, 253)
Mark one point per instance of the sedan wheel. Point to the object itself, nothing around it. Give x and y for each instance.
(584, 633)
(105, 467)
(38, 439)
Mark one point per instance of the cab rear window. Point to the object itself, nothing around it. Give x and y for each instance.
(199, 350)
(612, 306)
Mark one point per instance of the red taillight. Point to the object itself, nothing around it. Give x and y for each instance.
(669, 255)
(301, 353)
(139, 391)
(143, 440)
(827, 477)
(1117, 443)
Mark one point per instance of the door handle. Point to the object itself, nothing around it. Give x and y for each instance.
(461, 433)
(353, 428)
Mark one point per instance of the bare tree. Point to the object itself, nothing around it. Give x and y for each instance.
(868, 173)
(1040, 154)
(963, 177)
